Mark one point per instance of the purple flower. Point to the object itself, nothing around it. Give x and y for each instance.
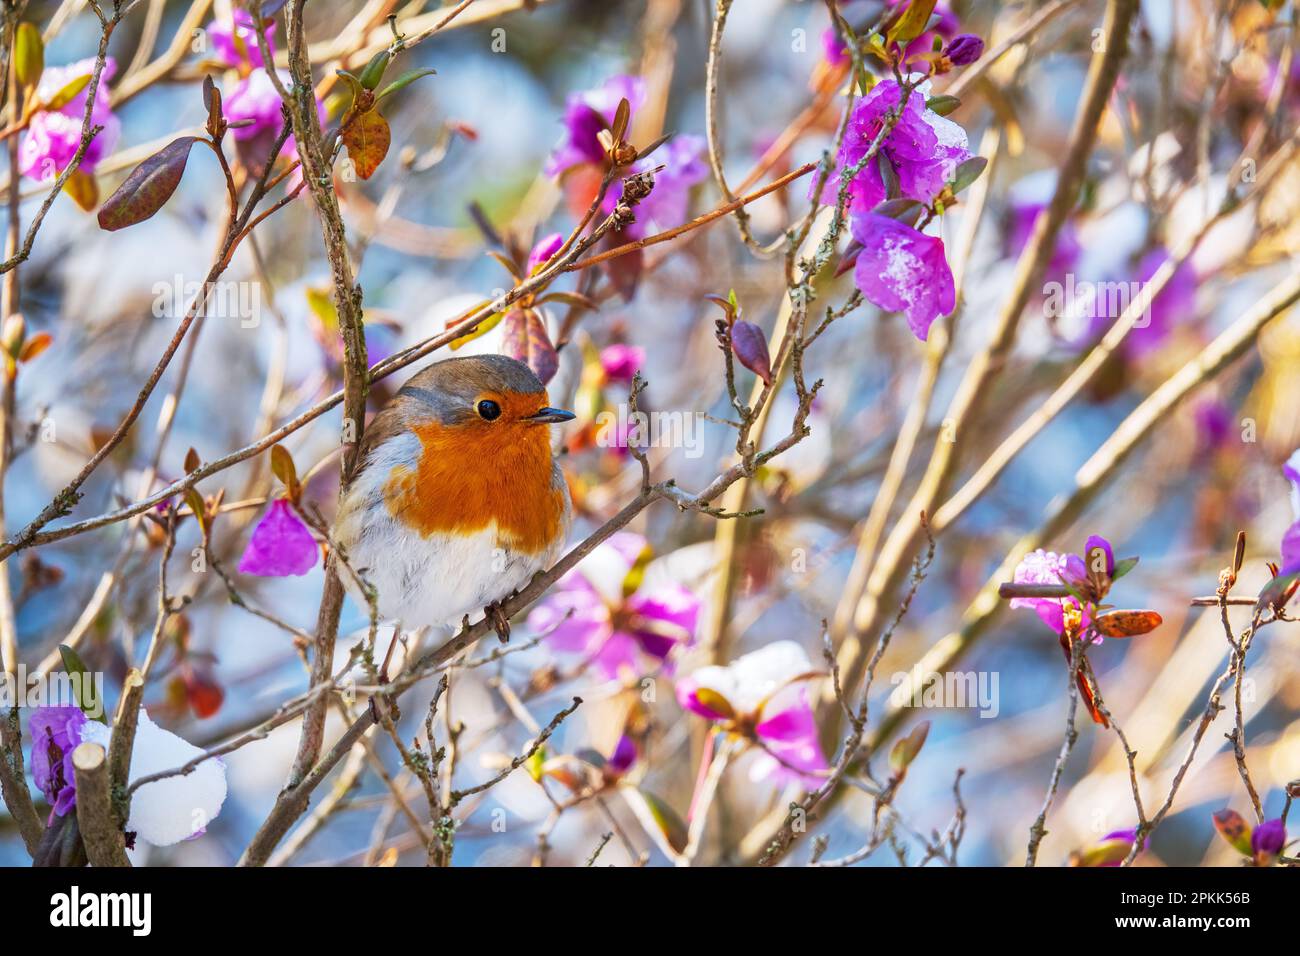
(621, 362)
(622, 634)
(1267, 841)
(1214, 421)
(683, 166)
(280, 546)
(964, 50)
(834, 50)
(1291, 538)
(903, 270)
(924, 149)
(1176, 301)
(546, 247)
(1030, 197)
(623, 757)
(56, 732)
(761, 694)
(255, 98)
(1110, 850)
(53, 136)
(235, 42)
(586, 114)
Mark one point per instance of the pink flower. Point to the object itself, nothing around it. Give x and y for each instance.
(762, 694)
(903, 270)
(621, 362)
(280, 546)
(232, 52)
(53, 136)
(622, 634)
(546, 247)
(924, 149)
(256, 98)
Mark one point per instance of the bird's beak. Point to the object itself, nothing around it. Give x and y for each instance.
(549, 416)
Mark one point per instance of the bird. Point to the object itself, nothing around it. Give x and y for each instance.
(456, 499)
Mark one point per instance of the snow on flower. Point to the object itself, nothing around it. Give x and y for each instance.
(924, 149)
(761, 695)
(163, 812)
(903, 270)
(53, 136)
(623, 634)
(176, 808)
(234, 40)
(280, 546)
(1291, 539)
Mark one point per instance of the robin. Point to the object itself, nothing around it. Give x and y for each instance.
(457, 500)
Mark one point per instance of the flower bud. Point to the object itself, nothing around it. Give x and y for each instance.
(1267, 841)
(964, 49)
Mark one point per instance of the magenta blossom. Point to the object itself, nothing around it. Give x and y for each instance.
(255, 98)
(964, 50)
(762, 696)
(623, 634)
(235, 42)
(56, 732)
(1048, 567)
(53, 136)
(586, 114)
(1111, 850)
(923, 149)
(903, 270)
(280, 546)
(682, 159)
(1291, 539)
(834, 50)
(621, 362)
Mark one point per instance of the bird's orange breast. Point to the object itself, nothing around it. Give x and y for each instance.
(469, 477)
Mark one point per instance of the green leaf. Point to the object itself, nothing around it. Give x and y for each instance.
(913, 21)
(943, 105)
(1275, 593)
(904, 210)
(887, 175)
(367, 138)
(83, 684)
(403, 81)
(906, 750)
(29, 55)
(968, 172)
(148, 187)
(485, 326)
(636, 574)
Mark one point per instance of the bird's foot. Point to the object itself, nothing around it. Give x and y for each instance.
(499, 620)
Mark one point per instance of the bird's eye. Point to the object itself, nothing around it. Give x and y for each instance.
(488, 410)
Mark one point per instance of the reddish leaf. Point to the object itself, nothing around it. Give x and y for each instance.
(524, 337)
(750, 345)
(367, 138)
(148, 187)
(1127, 623)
